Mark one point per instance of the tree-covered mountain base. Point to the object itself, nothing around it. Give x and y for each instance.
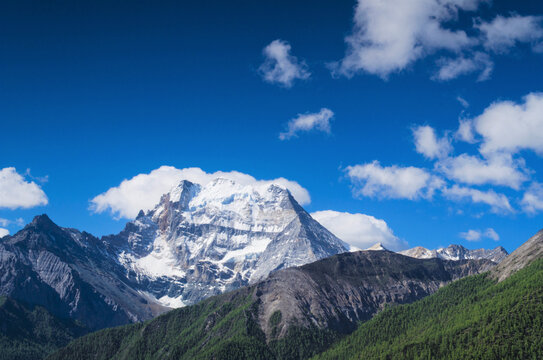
(30, 332)
(222, 327)
(473, 318)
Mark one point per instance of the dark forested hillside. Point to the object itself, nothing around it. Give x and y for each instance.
(294, 314)
(30, 332)
(473, 318)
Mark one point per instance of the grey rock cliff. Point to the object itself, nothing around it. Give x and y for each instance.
(529, 251)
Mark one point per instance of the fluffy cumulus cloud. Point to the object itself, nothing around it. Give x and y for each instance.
(429, 145)
(499, 203)
(503, 33)
(17, 192)
(374, 180)
(280, 67)
(498, 136)
(451, 68)
(143, 191)
(532, 201)
(477, 235)
(3, 232)
(506, 126)
(388, 36)
(305, 122)
(359, 230)
(498, 169)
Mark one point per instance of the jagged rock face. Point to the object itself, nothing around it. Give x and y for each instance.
(457, 252)
(71, 274)
(340, 291)
(201, 241)
(529, 251)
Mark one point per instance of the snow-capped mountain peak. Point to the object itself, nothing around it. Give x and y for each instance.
(203, 240)
(377, 247)
(457, 252)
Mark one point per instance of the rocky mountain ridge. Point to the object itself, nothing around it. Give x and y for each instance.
(72, 274)
(456, 252)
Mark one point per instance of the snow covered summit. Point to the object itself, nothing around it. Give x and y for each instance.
(202, 240)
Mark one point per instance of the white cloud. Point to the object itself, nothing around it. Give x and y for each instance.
(6, 222)
(16, 192)
(463, 102)
(143, 191)
(390, 35)
(395, 182)
(280, 67)
(498, 169)
(471, 235)
(477, 235)
(492, 234)
(3, 232)
(427, 143)
(358, 230)
(503, 33)
(465, 131)
(451, 68)
(532, 201)
(497, 202)
(306, 122)
(511, 127)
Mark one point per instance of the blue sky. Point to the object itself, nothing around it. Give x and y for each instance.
(93, 94)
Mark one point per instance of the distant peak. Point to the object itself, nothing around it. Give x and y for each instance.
(140, 214)
(42, 222)
(42, 219)
(183, 187)
(377, 247)
(183, 184)
(501, 248)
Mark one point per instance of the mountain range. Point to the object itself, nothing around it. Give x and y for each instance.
(197, 242)
(293, 279)
(457, 252)
(299, 312)
(294, 313)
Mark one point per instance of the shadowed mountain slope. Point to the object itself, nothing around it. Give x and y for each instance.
(29, 332)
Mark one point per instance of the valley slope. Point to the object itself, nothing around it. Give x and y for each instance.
(29, 332)
(473, 318)
(293, 314)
